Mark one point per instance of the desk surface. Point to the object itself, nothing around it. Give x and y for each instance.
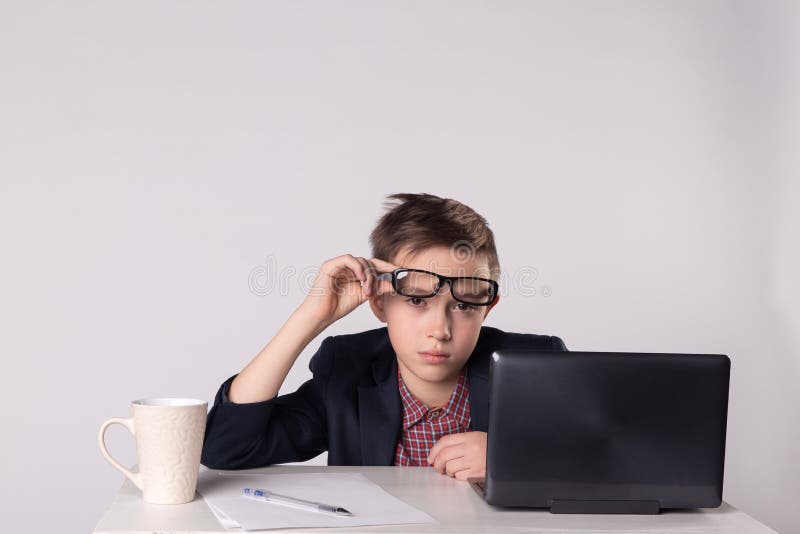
(451, 502)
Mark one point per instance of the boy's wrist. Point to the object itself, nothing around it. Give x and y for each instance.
(310, 320)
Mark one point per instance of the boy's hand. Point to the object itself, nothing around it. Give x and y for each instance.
(343, 283)
(460, 455)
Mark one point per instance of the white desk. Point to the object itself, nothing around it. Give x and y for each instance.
(451, 502)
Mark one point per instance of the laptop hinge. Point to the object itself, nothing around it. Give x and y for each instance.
(558, 506)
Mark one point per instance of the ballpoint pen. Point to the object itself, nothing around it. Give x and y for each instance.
(268, 496)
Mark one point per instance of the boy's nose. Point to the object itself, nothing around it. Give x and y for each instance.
(440, 334)
(439, 327)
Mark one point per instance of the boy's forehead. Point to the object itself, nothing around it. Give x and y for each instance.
(445, 261)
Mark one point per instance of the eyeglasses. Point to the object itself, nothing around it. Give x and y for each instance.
(423, 284)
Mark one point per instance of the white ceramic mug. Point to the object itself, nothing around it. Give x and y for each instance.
(169, 439)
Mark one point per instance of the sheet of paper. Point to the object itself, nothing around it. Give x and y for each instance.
(368, 502)
(228, 523)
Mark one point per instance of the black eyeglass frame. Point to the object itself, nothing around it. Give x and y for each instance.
(442, 281)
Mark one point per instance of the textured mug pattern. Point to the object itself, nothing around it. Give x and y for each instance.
(169, 441)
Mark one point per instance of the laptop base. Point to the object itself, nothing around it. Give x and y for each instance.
(604, 507)
(558, 506)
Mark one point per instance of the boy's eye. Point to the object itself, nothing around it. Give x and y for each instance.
(462, 306)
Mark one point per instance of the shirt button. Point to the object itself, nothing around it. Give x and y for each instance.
(434, 414)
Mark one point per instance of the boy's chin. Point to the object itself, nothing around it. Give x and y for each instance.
(435, 372)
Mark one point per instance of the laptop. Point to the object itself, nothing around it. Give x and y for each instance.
(605, 432)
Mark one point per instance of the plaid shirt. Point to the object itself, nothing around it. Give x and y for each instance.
(423, 427)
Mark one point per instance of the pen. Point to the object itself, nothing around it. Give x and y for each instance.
(268, 496)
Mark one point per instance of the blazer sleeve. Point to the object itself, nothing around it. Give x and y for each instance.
(286, 428)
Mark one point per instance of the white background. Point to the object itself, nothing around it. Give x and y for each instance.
(153, 155)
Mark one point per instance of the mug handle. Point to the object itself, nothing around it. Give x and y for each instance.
(136, 478)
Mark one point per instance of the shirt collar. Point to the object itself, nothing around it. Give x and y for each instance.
(414, 410)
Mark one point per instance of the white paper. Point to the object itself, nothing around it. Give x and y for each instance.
(228, 523)
(368, 502)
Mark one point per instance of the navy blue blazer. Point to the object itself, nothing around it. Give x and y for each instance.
(350, 408)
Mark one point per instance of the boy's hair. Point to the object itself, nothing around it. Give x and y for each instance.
(416, 222)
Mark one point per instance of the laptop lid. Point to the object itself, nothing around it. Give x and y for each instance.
(603, 432)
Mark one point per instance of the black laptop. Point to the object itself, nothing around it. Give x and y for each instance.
(605, 432)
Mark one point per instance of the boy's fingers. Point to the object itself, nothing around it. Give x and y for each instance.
(445, 441)
(455, 465)
(355, 265)
(447, 455)
(379, 285)
(366, 275)
(372, 283)
(382, 265)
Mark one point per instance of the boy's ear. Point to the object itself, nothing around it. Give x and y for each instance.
(377, 302)
(492, 305)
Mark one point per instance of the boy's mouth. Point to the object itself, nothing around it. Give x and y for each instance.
(434, 356)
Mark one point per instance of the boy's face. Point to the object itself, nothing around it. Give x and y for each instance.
(435, 323)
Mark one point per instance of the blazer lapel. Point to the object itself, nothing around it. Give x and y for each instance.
(381, 412)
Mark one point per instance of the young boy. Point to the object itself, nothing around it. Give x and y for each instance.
(414, 392)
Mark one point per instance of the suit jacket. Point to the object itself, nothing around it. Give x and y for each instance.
(351, 407)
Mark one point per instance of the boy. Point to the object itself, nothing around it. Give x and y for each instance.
(412, 393)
